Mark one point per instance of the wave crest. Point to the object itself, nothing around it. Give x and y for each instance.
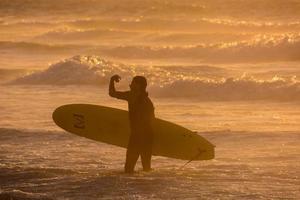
(233, 89)
(261, 49)
(77, 70)
(204, 83)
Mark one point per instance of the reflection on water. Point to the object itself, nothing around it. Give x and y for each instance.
(228, 70)
(60, 165)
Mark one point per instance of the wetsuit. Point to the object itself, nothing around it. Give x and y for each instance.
(141, 115)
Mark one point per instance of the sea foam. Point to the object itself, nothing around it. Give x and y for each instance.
(205, 83)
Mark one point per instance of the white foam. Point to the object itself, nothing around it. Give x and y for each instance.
(21, 195)
(233, 89)
(262, 48)
(202, 82)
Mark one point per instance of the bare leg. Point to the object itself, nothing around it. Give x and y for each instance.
(146, 158)
(131, 159)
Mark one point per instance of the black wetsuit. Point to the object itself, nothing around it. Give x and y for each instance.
(141, 115)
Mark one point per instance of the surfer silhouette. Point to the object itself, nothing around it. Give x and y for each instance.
(141, 115)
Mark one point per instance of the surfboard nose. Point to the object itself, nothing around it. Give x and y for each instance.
(58, 116)
(55, 115)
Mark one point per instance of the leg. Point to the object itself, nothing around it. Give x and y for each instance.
(146, 161)
(132, 156)
(146, 157)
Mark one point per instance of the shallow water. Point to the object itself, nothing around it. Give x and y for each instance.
(59, 165)
(255, 159)
(229, 70)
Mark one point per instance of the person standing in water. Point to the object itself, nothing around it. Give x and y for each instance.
(141, 115)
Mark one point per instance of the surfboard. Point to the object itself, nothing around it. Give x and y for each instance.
(111, 126)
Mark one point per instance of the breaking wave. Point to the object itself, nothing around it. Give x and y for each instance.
(95, 70)
(260, 49)
(200, 25)
(90, 36)
(205, 83)
(11, 74)
(111, 36)
(234, 89)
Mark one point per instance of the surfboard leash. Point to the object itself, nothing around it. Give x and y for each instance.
(193, 158)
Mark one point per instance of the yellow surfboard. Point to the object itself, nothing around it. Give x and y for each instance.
(111, 126)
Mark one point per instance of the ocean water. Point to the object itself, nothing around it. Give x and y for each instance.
(229, 71)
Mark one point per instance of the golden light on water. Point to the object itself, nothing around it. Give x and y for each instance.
(228, 70)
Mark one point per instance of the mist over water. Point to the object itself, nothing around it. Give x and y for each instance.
(227, 69)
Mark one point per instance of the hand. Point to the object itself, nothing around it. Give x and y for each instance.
(115, 78)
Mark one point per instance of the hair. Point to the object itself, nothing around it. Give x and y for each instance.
(141, 80)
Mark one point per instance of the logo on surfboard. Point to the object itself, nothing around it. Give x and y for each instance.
(79, 121)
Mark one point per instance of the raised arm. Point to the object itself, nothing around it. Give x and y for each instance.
(112, 90)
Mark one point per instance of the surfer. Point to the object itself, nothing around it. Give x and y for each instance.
(141, 115)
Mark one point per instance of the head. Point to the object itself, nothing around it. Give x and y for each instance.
(138, 84)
